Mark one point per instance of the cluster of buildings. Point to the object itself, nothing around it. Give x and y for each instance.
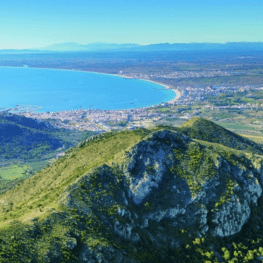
(191, 95)
(240, 106)
(182, 74)
(194, 74)
(98, 120)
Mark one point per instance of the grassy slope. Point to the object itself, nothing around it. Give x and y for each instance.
(13, 172)
(44, 188)
(202, 129)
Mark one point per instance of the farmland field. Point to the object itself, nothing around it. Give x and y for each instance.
(13, 172)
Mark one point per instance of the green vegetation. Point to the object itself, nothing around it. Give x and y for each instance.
(219, 80)
(13, 172)
(28, 140)
(89, 181)
(246, 120)
(27, 146)
(202, 129)
(47, 185)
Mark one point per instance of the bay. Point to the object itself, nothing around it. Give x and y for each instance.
(57, 90)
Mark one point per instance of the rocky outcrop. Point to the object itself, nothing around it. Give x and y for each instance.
(231, 217)
(226, 192)
(147, 165)
(168, 183)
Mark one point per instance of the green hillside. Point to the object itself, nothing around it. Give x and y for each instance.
(28, 145)
(160, 195)
(20, 141)
(45, 187)
(26, 139)
(202, 129)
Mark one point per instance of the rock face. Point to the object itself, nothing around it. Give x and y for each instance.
(226, 192)
(167, 184)
(147, 165)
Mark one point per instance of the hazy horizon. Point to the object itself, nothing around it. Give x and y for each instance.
(135, 44)
(34, 24)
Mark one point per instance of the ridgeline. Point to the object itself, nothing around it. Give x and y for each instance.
(187, 194)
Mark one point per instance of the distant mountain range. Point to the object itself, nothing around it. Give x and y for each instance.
(111, 47)
(71, 46)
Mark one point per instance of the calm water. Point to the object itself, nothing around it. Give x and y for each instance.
(57, 90)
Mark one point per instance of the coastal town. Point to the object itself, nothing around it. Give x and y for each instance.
(98, 120)
(106, 120)
(183, 74)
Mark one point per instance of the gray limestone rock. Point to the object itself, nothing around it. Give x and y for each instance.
(167, 183)
(230, 218)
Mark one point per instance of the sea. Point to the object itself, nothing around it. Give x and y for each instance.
(52, 90)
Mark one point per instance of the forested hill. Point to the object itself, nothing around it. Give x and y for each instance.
(144, 195)
(202, 129)
(26, 139)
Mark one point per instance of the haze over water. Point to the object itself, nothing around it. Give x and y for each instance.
(58, 90)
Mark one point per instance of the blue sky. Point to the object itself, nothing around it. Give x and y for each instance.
(37, 23)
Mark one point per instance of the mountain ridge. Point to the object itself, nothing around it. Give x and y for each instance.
(138, 196)
(129, 47)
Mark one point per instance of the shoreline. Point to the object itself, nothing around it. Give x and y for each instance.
(177, 92)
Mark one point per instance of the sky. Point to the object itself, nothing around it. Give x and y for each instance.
(38, 23)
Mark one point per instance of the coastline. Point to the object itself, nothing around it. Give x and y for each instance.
(176, 91)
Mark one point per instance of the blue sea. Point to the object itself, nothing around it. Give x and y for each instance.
(58, 90)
